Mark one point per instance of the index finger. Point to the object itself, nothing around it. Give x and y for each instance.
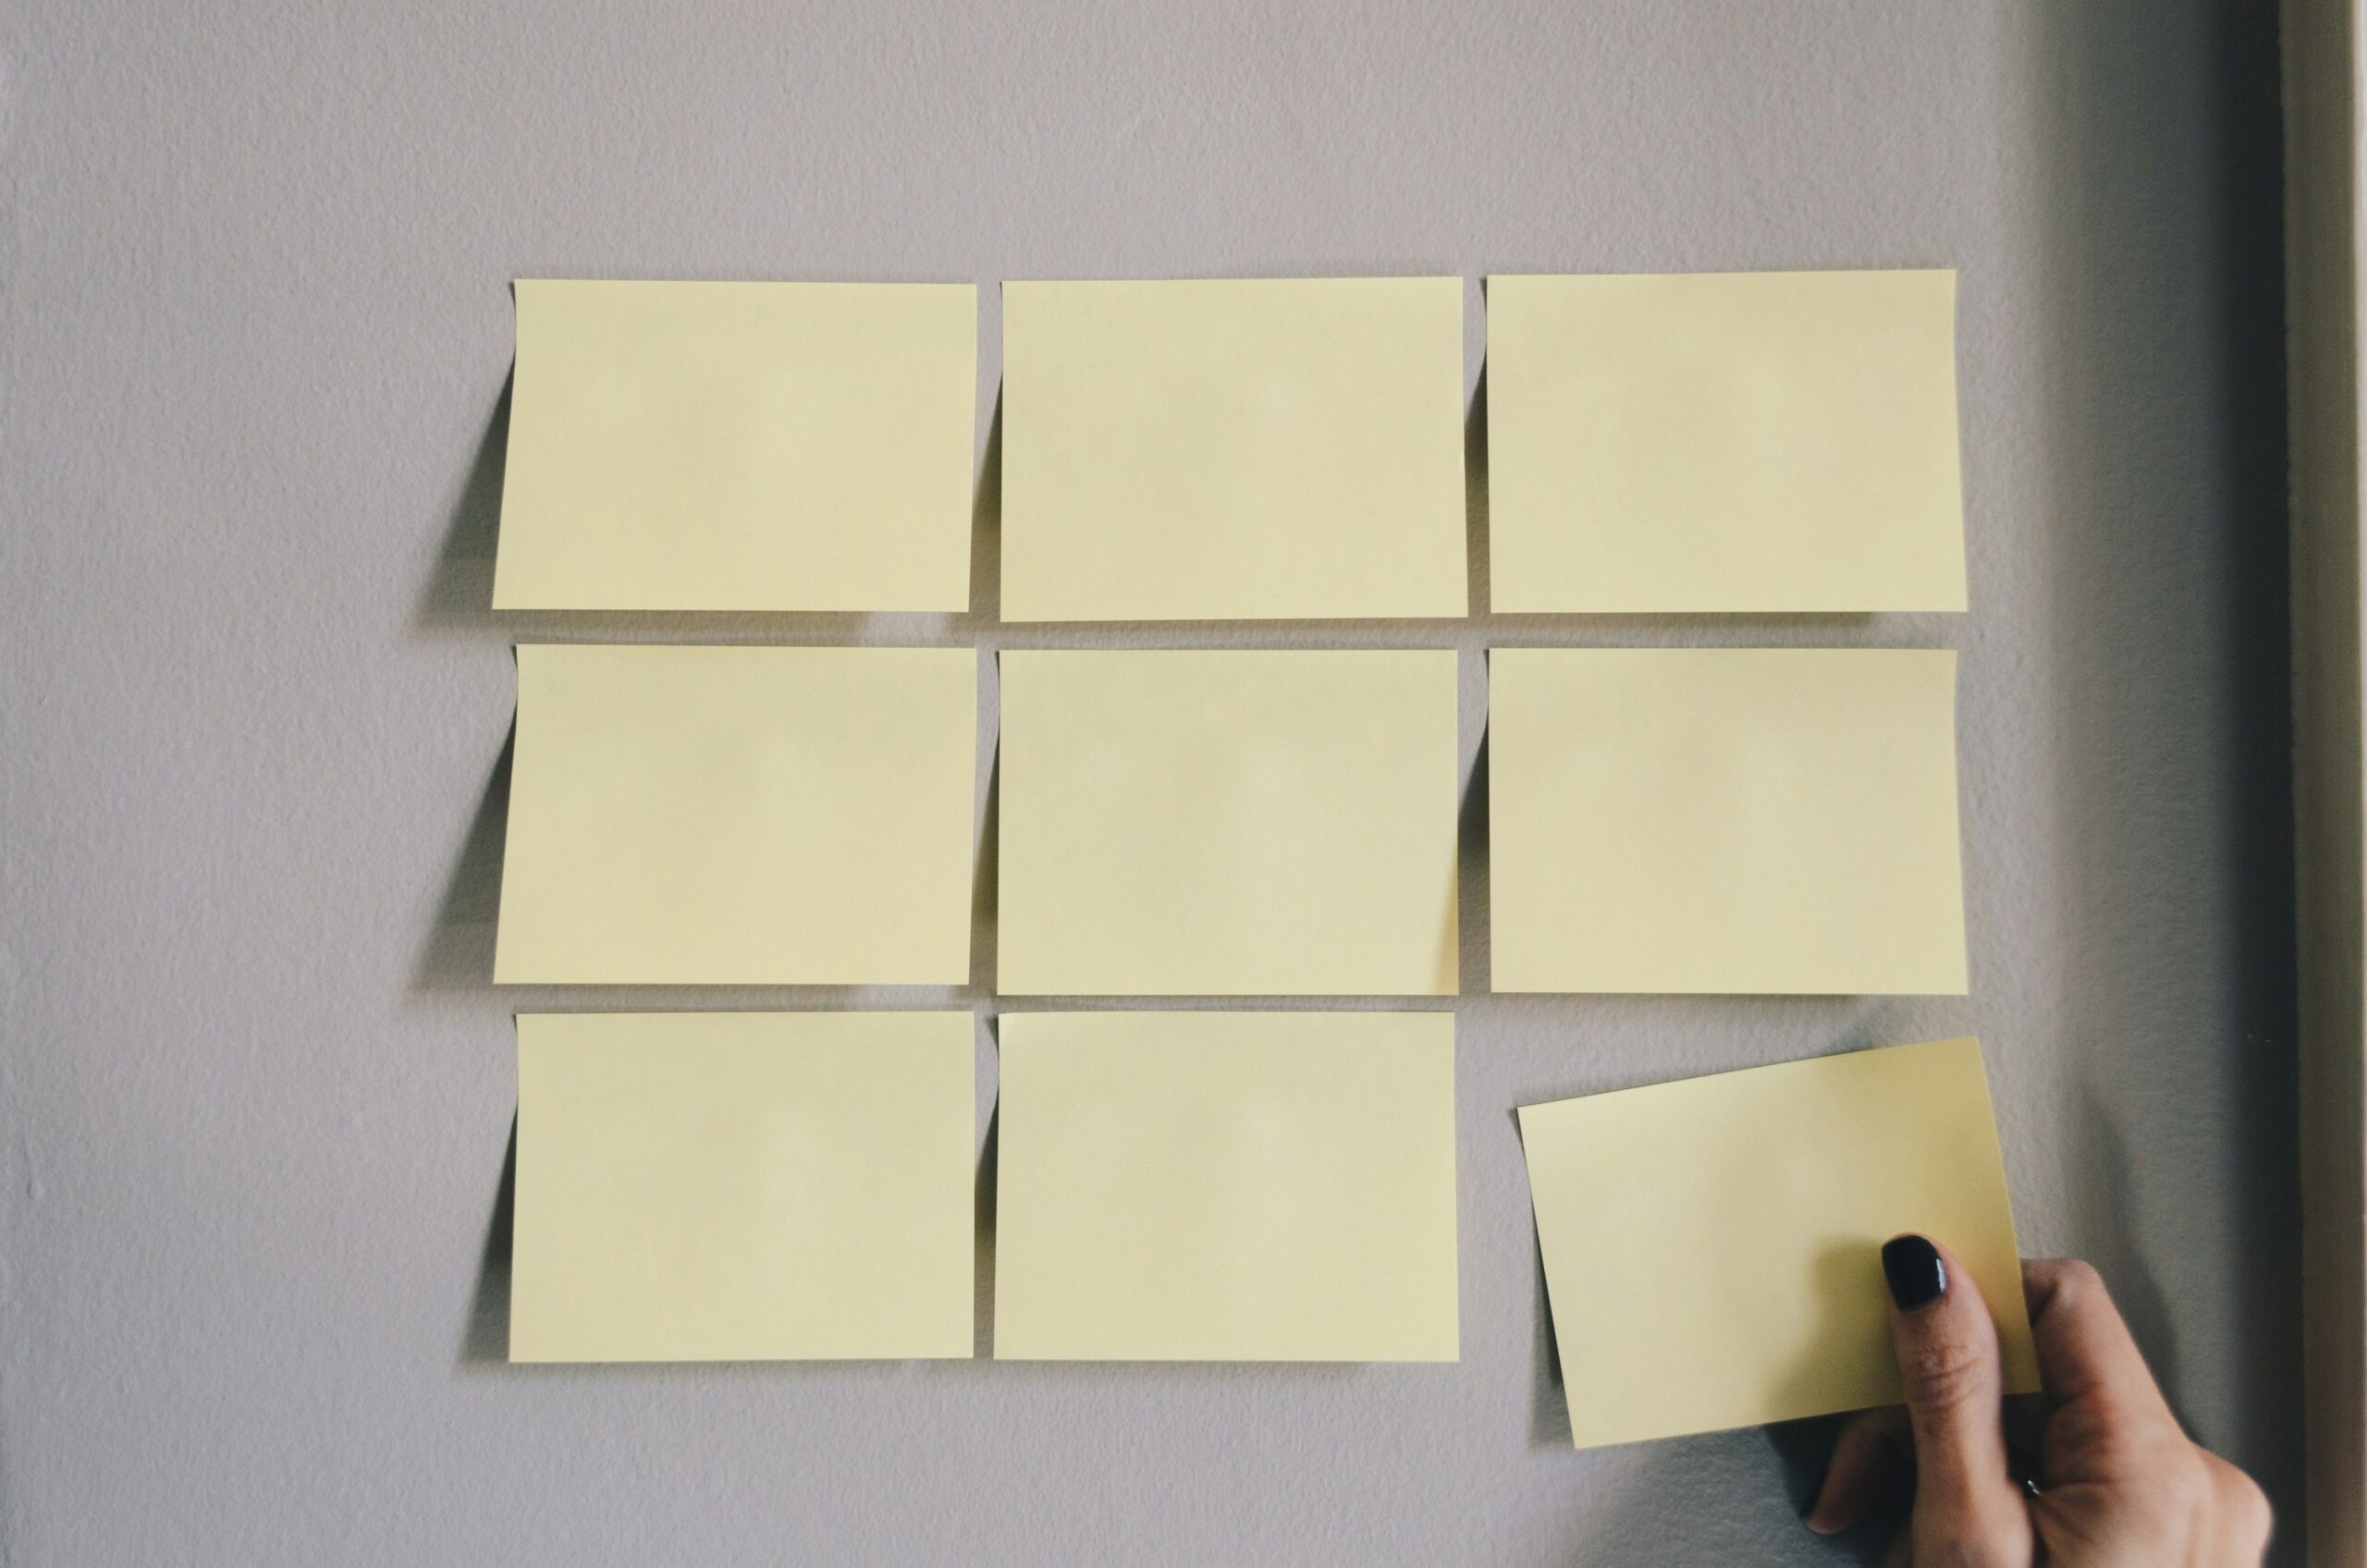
(2085, 1352)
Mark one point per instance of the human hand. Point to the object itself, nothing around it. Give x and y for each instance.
(2115, 1482)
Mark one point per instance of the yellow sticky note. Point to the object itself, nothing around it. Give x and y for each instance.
(1741, 820)
(782, 816)
(740, 446)
(1232, 449)
(1228, 822)
(1225, 1186)
(1742, 441)
(1712, 1248)
(743, 1186)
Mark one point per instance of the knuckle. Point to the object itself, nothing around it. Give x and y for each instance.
(2078, 1280)
(1942, 1375)
(2189, 1485)
(2249, 1515)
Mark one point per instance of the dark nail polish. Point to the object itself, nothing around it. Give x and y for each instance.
(1917, 1276)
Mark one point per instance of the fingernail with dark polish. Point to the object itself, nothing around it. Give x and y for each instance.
(1917, 1276)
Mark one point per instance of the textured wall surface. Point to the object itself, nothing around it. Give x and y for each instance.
(256, 1088)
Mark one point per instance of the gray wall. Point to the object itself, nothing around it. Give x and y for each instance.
(256, 1089)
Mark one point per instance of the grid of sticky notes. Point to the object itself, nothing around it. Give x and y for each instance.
(1239, 449)
(1240, 822)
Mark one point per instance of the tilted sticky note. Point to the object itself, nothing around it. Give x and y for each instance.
(1712, 1248)
(1225, 1186)
(1232, 449)
(740, 446)
(1745, 441)
(740, 816)
(1241, 822)
(1741, 820)
(743, 1186)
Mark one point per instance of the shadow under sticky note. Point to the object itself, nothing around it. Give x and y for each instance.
(1226, 1186)
(1228, 822)
(740, 446)
(1725, 820)
(744, 815)
(742, 1186)
(1724, 442)
(1234, 449)
(1712, 1248)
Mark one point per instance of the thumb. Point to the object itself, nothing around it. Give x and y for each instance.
(1967, 1509)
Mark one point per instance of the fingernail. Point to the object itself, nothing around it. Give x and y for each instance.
(1917, 1276)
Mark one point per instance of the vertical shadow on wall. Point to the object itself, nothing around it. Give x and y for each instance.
(1474, 961)
(982, 1305)
(459, 946)
(486, 1340)
(2164, 410)
(986, 884)
(1549, 1402)
(1475, 488)
(460, 584)
(986, 526)
(2258, 836)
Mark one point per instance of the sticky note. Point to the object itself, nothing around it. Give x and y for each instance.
(1712, 1248)
(1743, 820)
(1235, 450)
(781, 816)
(740, 446)
(743, 1186)
(1225, 1186)
(1227, 823)
(1723, 442)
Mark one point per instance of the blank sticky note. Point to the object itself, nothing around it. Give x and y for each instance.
(1712, 1248)
(1743, 820)
(1228, 822)
(1225, 1186)
(740, 446)
(742, 1186)
(1234, 449)
(739, 817)
(1741, 441)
